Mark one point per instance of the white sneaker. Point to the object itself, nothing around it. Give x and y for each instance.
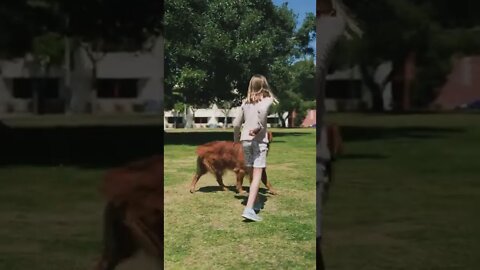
(249, 214)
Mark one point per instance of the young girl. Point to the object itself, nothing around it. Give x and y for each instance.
(253, 136)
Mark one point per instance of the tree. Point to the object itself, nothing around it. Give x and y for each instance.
(20, 22)
(305, 34)
(414, 35)
(111, 25)
(178, 109)
(228, 41)
(225, 107)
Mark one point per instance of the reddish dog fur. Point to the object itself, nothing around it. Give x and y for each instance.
(334, 140)
(219, 156)
(133, 217)
(335, 147)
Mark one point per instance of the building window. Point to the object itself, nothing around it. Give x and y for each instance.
(117, 88)
(201, 120)
(343, 89)
(22, 88)
(48, 88)
(222, 120)
(172, 119)
(272, 120)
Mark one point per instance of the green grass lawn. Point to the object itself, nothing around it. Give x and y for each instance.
(407, 193)
(50, 170)
(50, 218)
(205, 230)
(78, 120)
(406, 197)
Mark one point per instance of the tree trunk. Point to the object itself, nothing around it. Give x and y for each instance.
(291, 118)
(68, 89)
(397, 86)
(94, 87)
(174, 119)
(35, 96)
(403, 76)
(282, 121)
(375, 89)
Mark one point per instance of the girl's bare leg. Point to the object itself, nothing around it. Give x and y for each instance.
(252, 195)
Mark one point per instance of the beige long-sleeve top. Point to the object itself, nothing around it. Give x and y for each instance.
(254, 115)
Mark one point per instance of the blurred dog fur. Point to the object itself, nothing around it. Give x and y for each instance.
(133, 216)
(335, 147)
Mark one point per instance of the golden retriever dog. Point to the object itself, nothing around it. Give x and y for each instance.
(219, 156)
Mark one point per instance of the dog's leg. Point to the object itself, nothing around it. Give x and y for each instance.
(240, 175)
(201, 170)
(328, 180)
(218, 175)
(267, 183)
(147, 239)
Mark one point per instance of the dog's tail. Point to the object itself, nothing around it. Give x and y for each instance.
(200, 166)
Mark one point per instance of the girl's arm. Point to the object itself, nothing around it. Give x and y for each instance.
(266, 103)
(237, 124)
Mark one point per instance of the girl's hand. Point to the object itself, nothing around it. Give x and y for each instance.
(253, 132)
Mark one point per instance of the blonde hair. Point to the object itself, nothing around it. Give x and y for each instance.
(258, 88)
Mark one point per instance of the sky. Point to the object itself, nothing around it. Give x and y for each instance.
(300, 7)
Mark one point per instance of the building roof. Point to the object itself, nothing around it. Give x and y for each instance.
(22, 68)
(310, 118)
(346, 74)
(462, 86)
(124, 65)
(214, 112)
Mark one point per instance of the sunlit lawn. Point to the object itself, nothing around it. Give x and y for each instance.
(205, 230)
(407, 193)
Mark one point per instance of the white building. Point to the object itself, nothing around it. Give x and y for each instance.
(345, 90)
(126, 82)
(17, 80)
(209, 117)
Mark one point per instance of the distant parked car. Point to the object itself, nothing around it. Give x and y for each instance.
(474, 105)
(212, 125)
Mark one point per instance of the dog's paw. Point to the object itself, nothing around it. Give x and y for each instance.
(273, 192)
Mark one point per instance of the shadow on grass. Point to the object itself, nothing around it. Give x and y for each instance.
(198, 138)
(363, 156)
(215, 189)
(368, 133)
(262, 197)
(90, 147)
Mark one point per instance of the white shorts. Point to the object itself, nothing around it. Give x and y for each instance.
(255, 154)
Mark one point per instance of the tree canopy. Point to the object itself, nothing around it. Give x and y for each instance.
(104, 24)
(430, 30)
(214, 47)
